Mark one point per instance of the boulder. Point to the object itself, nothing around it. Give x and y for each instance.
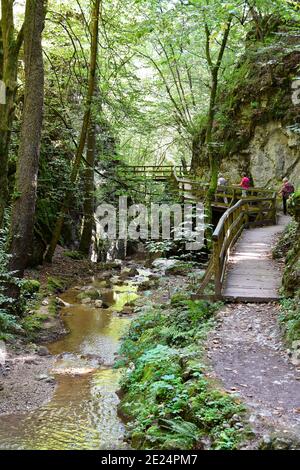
(295, 353)
(43, 351)
(280, 440)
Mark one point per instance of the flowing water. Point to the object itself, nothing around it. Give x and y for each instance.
(83, 411)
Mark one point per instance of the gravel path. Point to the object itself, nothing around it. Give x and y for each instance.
(248, 357)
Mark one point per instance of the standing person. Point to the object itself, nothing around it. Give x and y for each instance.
(245, 184)
(286, 190)
(222, 182)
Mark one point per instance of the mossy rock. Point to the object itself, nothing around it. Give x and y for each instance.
(278, 441)
(91, 294)
(54, 284)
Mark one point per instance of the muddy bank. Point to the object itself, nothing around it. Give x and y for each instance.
(25, 380)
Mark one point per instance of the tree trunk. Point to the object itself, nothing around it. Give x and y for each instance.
(8, 74)
(213, 163)
(199, 161)
(88, 206)
(23, 210)
(84, 129)
(213, 158)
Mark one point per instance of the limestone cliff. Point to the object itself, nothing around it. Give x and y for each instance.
(257, 125)
(273, 152)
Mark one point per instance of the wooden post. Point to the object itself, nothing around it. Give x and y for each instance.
(274, 210)
(217, 268)
(246, 215)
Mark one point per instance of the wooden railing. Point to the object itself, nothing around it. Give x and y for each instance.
(153, 171)
(192, 189)
(245, 213)
(229, 195)
(225, 196)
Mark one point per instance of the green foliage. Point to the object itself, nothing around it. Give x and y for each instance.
(8, 324)
(179, 298)
(8, 305)
(30, 287)
(286, 241)
(162, 247)
(170, 402)
(74, 255)
(294, 204)
(33, 322)
(92, 294)
(290, 318)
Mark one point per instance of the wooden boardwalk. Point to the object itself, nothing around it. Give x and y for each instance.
(252, 275)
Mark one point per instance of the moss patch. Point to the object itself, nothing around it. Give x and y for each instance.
(55, 284)
(33, 322)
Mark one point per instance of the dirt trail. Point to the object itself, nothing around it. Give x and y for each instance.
(248, 357)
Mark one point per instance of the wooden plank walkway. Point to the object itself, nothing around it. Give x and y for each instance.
(252, 275)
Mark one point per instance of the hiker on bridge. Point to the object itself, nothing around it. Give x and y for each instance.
(222, 182)
(287, 189)
(245, 184)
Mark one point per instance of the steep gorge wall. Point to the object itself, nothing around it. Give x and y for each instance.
(257, 124)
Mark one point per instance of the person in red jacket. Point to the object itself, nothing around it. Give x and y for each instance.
(245, 184)
(286, 190)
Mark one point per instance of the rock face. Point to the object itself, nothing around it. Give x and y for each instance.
(273, 151)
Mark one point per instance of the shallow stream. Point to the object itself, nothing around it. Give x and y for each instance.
(82, 413)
